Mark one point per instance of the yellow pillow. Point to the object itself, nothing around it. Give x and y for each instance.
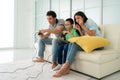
(89, 43)
(73, 39)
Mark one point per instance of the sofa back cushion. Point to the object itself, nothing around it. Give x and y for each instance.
(101, 27)
(112, 33)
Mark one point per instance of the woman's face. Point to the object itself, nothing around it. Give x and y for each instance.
(78, 19)
(68, 25)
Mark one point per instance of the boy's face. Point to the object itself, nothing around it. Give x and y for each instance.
(68, 25)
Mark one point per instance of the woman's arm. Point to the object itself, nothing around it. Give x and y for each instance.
(80, 32)
(79, 29)
(89, 32)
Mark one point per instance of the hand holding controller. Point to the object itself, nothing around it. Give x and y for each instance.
(40, 33)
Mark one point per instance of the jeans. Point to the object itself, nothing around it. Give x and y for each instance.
(54, 42)
(62, 53)
(72, 51)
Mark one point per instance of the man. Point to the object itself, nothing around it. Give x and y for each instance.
(56, 26)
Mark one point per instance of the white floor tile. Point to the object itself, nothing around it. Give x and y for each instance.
(21, 59)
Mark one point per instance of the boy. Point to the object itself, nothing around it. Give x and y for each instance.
(70, 32)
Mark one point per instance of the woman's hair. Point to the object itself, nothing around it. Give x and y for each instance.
(79, 26)
(76, 23)
(80, 13)
(51, 13)
(70, 20)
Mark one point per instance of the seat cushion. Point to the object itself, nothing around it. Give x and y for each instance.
(98, 56)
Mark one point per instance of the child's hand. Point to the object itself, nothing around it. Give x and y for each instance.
(65, 32)
(62, 38)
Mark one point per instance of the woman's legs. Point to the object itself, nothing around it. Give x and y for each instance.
(72, 50)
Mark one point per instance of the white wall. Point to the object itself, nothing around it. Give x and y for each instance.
(93, 10)
(24, 23)
(41, 7)
(101, 11)
(111, 11)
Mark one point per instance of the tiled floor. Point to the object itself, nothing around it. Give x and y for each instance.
(21, 60)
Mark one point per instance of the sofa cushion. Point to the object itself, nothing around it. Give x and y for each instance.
(98, 56)
(101, 27)
(112, 33)
(89, 43)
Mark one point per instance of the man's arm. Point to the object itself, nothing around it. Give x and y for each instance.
(59, 29)
(44, 35)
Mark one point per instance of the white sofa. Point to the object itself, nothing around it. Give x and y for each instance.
(99, 63)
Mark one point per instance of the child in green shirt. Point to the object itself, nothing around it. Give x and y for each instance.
(69, 33)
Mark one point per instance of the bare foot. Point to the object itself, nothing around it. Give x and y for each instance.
(54, 64)
(61, 72)
(67, 72)
(64, 70)
(38, 60)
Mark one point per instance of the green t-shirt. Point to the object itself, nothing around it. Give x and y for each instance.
(73, 32)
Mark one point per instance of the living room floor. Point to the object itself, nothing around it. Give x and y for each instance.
(16, 64)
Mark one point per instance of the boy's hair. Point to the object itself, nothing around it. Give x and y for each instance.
(70, 20)
(51, 13)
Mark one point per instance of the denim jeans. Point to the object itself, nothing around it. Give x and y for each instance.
(73, 48)
(72, 51)
(54, 42)
(62, 53)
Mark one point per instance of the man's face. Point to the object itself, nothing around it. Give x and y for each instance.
(51, 20)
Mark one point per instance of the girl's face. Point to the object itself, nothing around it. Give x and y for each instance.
(68, 25)
(78, 19)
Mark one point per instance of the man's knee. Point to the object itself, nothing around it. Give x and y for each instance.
(41, 39)
(54, 41)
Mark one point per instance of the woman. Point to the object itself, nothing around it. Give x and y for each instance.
(88, 27)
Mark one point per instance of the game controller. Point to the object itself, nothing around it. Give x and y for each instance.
(40, 33)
